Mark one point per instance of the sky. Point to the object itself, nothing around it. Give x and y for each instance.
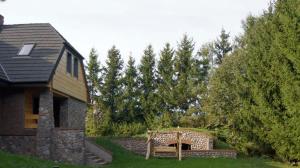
(131, 25)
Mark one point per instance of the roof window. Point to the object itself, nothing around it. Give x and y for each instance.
(26, 49)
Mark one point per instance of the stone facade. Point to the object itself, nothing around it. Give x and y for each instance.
(18, 144)
(68, 145)
(66, 142)
(45, 125)
(197, 141)
(76, 114)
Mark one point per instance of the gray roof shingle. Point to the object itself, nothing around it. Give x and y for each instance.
(38, 66)
(2, 74)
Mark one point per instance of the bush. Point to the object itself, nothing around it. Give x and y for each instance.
(127, 129)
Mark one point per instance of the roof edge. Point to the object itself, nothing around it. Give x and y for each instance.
(7, 77)
(56, 63)
(65, 42)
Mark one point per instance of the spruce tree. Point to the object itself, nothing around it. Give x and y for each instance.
(111, 89)
(257, 97)
(130, 106)
(183, 69)
(93, 75)
(207, 53)
(222, 46)
(148, 86)
(166, 84)
(273, 59)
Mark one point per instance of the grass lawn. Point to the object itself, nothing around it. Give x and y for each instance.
(20, 161)
(126, 159)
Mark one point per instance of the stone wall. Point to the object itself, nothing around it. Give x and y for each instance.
(76, 114)
(210, 153)
(68, 145)
(198, 141)
(139, 146)
(136, 145)
(18, 144)
(45, 125)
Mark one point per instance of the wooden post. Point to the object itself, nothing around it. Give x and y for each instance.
(148, 145)
(179, 146)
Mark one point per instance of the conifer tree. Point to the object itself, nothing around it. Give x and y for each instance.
(183, 69)
(166, 84)
(257, 92)
(130, 106)
(93, 75)
(272, 50)
(222, 46)
(148, 85)
(207, 53)
(111, 90)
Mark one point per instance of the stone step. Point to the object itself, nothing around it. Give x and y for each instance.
(95, 154)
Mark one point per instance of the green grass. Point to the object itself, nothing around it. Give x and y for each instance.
(125, 159)
(19, 161)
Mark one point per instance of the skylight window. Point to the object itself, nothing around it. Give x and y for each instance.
(26, 49)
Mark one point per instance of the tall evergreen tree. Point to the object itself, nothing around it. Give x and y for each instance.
(148, 85)
(207, 53)
(93, 75)
(259, 98)
(111, 90)
(273, 58)
(183, 69)
(166, 83)
(130, 106)
(222, 46)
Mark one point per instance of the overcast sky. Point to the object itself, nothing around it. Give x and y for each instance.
(133, 24)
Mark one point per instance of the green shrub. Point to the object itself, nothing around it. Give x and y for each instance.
(127, 129)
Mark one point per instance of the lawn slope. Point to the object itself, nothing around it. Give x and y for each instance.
(19, 161)
(125, 159)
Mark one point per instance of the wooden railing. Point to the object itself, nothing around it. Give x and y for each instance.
(31, 120)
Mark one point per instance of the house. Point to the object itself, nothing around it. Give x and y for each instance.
(43, 93)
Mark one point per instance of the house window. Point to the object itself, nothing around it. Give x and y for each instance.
(35, 105)
(32, 104)
(75, 70)
(69, 63)
(26, 49)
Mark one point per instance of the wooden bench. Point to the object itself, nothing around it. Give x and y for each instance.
(164, 149)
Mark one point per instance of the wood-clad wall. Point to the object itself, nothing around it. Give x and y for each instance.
(67, 83)
(30, 118)
(12, 114)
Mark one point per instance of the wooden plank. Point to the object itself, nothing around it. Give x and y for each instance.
(148, 147)
(32, 116)
(179, 145)
(162, 149)
(66, 83)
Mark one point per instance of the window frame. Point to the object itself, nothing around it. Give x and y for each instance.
(75, 64)
(69, 66)
(22, 48)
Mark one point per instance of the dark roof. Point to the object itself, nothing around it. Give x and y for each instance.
(40, 64)
(3, 74)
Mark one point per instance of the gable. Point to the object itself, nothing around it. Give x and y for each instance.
(67, 83)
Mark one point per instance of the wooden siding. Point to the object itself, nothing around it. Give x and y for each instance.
(31, 119)
(12, 114)
(68, 84)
